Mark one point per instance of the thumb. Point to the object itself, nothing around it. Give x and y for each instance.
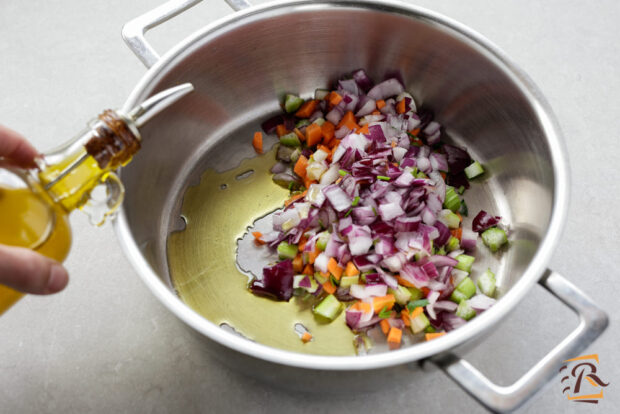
(29, 272)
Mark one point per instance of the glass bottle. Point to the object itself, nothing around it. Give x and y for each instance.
(35, 204)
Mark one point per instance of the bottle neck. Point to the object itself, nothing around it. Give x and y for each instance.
(71, 173)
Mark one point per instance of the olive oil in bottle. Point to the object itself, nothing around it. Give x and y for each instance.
(35, 204)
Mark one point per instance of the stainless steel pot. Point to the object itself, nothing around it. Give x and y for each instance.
(484, 101)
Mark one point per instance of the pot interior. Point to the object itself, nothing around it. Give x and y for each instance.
(200, 148)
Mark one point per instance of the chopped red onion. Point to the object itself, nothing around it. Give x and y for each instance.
(483, 221)
(387, 88)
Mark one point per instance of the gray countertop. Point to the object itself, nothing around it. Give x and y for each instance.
(107, 345)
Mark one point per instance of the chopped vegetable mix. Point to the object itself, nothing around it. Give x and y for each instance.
(374, 224)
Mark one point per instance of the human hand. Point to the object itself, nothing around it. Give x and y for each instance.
(20, 268)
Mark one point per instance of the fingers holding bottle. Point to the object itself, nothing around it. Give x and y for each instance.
(29, 272)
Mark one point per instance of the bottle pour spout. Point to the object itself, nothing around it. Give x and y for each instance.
(142, 113)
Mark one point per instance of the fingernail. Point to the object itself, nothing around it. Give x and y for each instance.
(58, 279)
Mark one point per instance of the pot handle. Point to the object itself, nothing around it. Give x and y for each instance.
(133, 31)
(592, 322)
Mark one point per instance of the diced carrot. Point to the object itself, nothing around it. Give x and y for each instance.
(308, 182)
(404, 282)
(313, 255)
(415, 131)
(425, 291)
(363, 130)
(458, 233)
(416, 312)
(433, 335)
(281, 130)
(460, 217)
(405, 317)
(299, 134)
(257, 142)
(351, 269)
(361, 306)
(385, 326)
(257, 237)
(394, 337)
(329, 287)
(295, 198)
(307, 109)
(393, 144)
(306, 337)
(324, 148)
(302, 243)
(443, 175)
(313, 134)
(308, 270)
(334, 98)
(298, 263)
(380, 103)
(400, 106)
(300, 166)
(381, 302)
(325, 275)
(328, 129)
(348, 120)
(375, 112)
(334, 268)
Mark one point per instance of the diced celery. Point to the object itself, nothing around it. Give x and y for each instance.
(286, 250)
(295, 155)
(322, 240)
(465, 310)
(290, 140)
(292, 103)
(401, 294)
(465, 262)
(449, 218)
(319, 121)
(320, 94)
(419, 323)
(302, 123)
(452, 201)
(486, 283)
(319, 278)
(453, 244)
(415, 293)
(494, 238)
(464, 290)
(347, 281)
(474, 170)
(430, 329)
(329, 308)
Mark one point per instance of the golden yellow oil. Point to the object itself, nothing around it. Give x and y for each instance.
(27, 220)
(202, 262)
(73, 189)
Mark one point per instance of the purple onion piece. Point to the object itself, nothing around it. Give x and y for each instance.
(483, 221)
(276, 283)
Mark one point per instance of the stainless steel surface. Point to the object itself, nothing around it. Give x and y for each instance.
(134, 30)
(592, 322)
(483, 100)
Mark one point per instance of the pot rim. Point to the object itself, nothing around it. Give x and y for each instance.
(473, 328)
